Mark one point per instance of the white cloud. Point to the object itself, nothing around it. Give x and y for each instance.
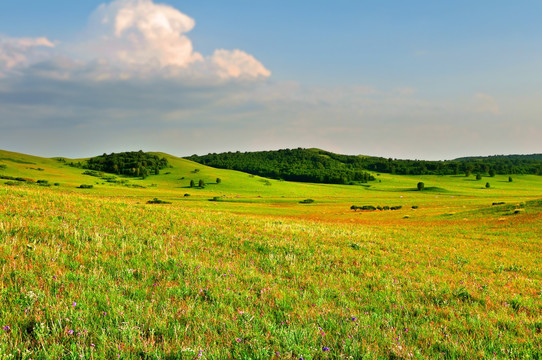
(236, 64)
(144, 38)
(132, 39)
(140, 32)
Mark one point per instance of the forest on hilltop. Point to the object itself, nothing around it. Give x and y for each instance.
(315, 165)
(133, 163)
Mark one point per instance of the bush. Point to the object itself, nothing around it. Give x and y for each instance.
(201, 183)
(396, 207)
(84, 186)
(414, 206)
(488, 186)
(478, 177)
(218, 180)
(306, 201)
(510, 179)
(186, 195)
(157, 201)
(215, 198)
(421, 186)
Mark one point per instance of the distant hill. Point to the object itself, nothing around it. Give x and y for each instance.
(315, 165)
(304, 165)
(536, 157)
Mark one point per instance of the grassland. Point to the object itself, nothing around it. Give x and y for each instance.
(99, 273)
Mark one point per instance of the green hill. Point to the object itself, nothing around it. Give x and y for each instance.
(315, 165)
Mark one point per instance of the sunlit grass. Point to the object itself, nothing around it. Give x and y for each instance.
(98, 273)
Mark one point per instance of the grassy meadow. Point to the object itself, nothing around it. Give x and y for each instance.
(255, 274)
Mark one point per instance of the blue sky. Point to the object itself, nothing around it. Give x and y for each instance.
(421, 79)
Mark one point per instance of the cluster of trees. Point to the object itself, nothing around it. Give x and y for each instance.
(304, 165)
(134, 163)
(315, 165)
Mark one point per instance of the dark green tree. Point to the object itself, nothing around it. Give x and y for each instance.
(201, 184)
(510, 179)
(218, 180)
(492, 173)
(421, 186)
(192, 183)
(488, 186)
(478, 177)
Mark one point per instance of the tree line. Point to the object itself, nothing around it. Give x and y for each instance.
(315, 165)
(292, 165)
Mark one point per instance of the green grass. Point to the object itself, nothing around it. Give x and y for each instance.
(98, 273)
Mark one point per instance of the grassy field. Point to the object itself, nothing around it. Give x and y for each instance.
(99, 273)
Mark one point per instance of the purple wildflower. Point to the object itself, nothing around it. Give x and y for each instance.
(74, 304)
(238, 340)
(6, 328)
(325, 348)
(70, 332)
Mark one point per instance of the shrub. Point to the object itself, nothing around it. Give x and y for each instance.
(186, 195)
(306, 201)
(396, 207)
(192, 183)
(201, 183)
(498, 203)
(157, 201)
(421, 186)
(510, 179)
(488, 186)
(218, 180)
(85, 186)
(478, 177)
(354, 207)
(215, 198)
(414, 206)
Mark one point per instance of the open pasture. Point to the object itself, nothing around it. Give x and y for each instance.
(99, 273)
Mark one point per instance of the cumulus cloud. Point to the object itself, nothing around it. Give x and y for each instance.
(132, 39)
(142, 37)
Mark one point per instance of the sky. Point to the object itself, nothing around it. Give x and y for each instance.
(428, 80)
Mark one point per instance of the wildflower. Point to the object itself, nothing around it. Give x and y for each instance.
(70, 332)
(325, 348)
(354, 318)
(238, 340)
(92, 345)
(7, 328)
(74, 304)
